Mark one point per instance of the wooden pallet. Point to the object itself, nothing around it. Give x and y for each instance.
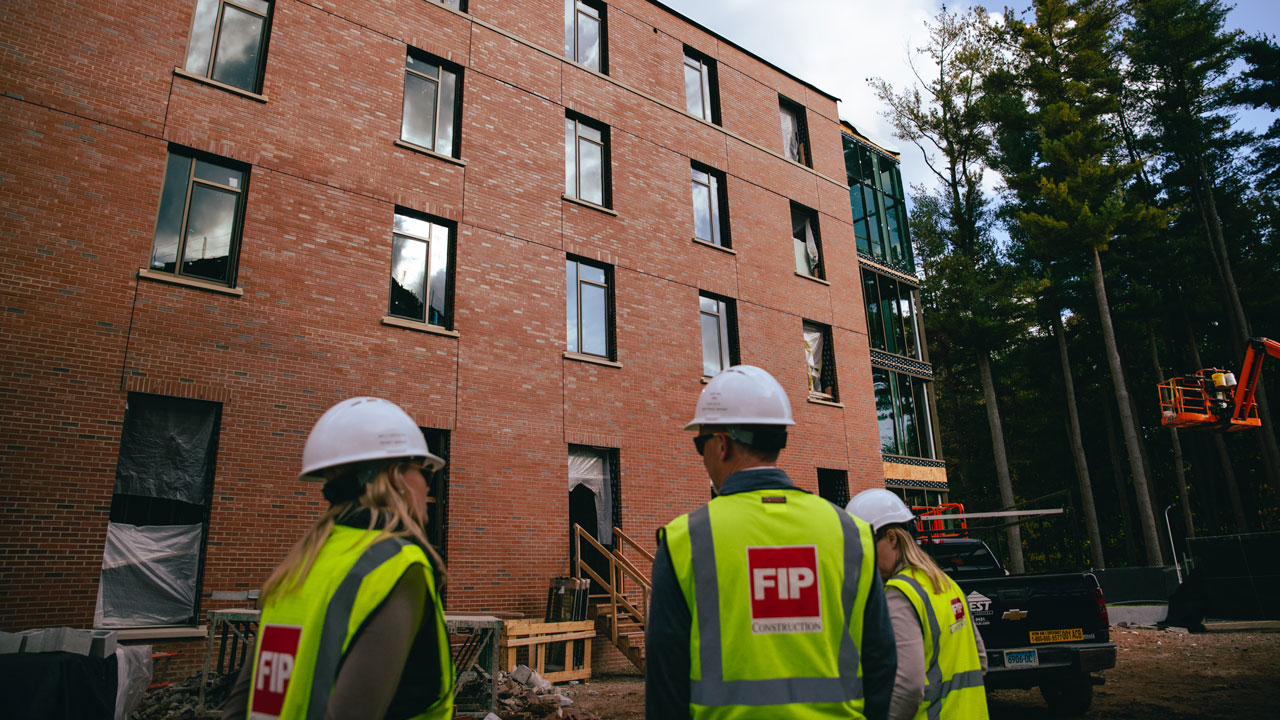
(538, 636)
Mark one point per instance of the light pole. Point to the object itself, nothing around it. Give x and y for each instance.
(1172, 548)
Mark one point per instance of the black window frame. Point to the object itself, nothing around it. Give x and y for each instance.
(833, 486)
(215, 40)
(571, 50)
(606, 162)
(727, 323)
(705, 66)
(451, 229)
(811, 216)
(442, 66)
(827, 372)
(192, 157)
(892, 305)
(922, 411)
(719, 204)
(574, 295)
(883, 209)
(797, 112)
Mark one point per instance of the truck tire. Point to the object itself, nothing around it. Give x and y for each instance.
(1070, 696)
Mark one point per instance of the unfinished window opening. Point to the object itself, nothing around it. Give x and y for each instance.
(584, 33)
(795, 132)
(806, 241)
(431, 103)
(154, 555)
(700, 92)
(820, 360)
(718, 317)
(437, 529)
(833, 486)
(229, 42)
(421, 269)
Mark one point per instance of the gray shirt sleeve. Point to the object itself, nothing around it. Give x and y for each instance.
(982, 647)
(908, 687)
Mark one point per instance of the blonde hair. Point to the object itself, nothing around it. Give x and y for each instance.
(383, 498)
(911, 555)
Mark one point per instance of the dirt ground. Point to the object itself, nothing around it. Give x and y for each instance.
(1165, 674)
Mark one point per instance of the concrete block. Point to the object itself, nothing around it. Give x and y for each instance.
(33, 640)
(11, 643)
(104, 643)
(73, 640)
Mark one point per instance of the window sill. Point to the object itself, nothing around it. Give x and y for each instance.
(714, 246)
(221, 86)
(188, 282)
(814, 279)
(825, 401)
(588, 204)
(159, 633)
(419, 326)
(796, 163)
(412, 147)
(591, 359)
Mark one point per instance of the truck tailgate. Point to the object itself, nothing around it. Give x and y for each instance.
(1036, 610)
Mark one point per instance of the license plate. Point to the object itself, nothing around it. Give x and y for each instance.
(1021, 658)
(1048, 636)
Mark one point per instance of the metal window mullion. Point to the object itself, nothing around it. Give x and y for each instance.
(723, 324)
(705, 78)
(244, 8)
(217, 36)
(714, 202)
(577, 151)
(186, 215)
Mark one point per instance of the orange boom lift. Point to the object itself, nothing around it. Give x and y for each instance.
(1213, 399)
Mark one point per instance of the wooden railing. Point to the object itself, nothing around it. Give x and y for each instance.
(624, 580)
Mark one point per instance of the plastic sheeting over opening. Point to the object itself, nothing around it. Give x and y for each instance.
(148, 575)
(813, 359)
(167, 448)
(591, 468)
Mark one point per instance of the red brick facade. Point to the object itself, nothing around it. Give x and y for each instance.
(90, 106)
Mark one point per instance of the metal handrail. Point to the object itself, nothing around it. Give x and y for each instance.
(620, 568)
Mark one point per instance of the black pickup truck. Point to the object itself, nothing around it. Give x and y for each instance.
(1047, 630)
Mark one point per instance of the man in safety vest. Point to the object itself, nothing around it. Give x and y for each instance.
(766, 602)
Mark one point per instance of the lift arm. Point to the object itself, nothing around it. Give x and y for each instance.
(1258, 350)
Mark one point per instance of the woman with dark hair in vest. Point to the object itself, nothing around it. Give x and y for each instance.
(352, 625)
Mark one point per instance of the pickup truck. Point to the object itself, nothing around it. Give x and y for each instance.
(1048, 630)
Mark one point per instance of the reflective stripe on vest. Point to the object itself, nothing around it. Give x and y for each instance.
(712, 689)
(936, 689)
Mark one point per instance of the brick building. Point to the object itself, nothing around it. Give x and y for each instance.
(535, 225)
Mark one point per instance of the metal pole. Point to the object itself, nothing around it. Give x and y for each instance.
(1172, 548)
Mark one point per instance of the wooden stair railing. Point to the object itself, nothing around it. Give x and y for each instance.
(624, 580)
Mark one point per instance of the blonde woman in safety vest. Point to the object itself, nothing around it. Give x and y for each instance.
(765, 601)
(941, 658)
(352, 625)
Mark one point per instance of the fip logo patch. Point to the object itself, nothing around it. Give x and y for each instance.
(276, 656)
(784, 586)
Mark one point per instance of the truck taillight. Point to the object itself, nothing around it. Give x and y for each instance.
(1101, 600)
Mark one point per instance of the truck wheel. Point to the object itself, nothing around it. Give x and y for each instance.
(1069, 697)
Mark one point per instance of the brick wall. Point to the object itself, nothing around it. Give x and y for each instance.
(89, 107)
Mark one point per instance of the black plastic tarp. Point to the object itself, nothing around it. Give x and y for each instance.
(166, 448)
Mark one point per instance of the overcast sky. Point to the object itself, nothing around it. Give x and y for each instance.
(838, 44)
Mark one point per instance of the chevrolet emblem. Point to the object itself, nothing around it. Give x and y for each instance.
(1014, 614)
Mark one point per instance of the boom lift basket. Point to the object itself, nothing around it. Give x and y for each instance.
(1185, 404)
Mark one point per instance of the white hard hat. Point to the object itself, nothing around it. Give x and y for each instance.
(742, 395)
(363, 428)
(879, 507)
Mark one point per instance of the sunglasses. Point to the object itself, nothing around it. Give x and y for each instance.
(700, 441)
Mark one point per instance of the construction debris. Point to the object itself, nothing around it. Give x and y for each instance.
(181, 700)
(523, 694)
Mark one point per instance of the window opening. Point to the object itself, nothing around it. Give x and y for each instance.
(589, 314)
(228, 42)
(820, 361)
(806, 241)
(833, 486)
(421, 269)
(700, 92)
(593, 502)
(904, 414)
(586, 161)
(719, 337)
(709, 206)
(584, 33)
(431, 104)
(201, 213)
(795, 134)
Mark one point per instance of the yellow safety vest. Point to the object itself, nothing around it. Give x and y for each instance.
(953, 675)
(303, 635)
(777, 582)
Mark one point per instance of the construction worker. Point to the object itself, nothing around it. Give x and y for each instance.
(765, 602)
(352, 625)
(941, 657)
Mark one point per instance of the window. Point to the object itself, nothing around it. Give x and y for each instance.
(586, 160)
(229, 42)
(421, 270)
(820, 360)
(701, 94)
(201, 213)
(903, 413)
(806, 241)
(154, 553)
(891, 315)
(710, 206)
(431, 104)
(879, 207)
(589, 290)
(719, 333)
(584, 33)
(459, 5)
(833, 486)
(795, 134)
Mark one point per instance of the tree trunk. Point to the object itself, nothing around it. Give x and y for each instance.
(1179, 467)
(1013, 532)
(1122, 488)
(1150, 539)
(1077, 450)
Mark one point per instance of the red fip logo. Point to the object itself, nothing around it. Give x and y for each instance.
(957, 608)
(784, 586)
(276, 656)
